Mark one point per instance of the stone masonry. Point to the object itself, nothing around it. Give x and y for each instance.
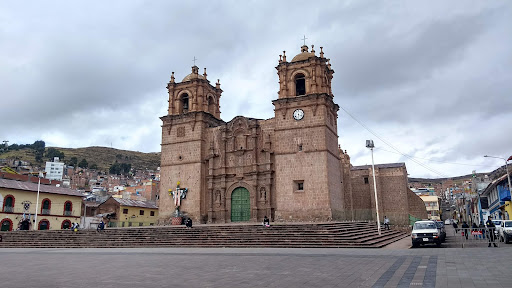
(288, 168)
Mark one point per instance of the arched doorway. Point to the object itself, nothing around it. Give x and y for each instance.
(6, 225)
(66, 224)
(44, 224)
(240, 205)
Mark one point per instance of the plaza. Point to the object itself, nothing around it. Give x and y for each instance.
(262, 267)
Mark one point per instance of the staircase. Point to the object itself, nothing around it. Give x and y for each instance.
(326, 235)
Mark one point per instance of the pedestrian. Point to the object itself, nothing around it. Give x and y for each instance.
(455, 226)
(101, 226)
(188, 223)
(482, 229)
(491, 227)
(266, 221)
(465, 229)
(386, 222)
(474, 228)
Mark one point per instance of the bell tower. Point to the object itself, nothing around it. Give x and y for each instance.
(193, 109)
(307, 162)
(194, 93)
(305, 74)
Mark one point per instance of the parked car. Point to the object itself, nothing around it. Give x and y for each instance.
(441, 229)
(506, 231)
(425, 232)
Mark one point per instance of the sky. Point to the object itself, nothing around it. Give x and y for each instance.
(429, 81)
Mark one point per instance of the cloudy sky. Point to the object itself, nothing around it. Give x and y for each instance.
(431, 79)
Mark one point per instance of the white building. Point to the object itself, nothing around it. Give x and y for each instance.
(54, 170)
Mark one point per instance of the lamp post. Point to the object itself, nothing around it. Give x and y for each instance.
(369, 144)
(506, 167)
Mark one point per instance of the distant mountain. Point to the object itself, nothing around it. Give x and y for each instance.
(103, 157)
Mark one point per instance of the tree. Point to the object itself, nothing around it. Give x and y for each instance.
(52, 152)
(115, 169)
(38, 147)
(73, 161)
(93, 166)
(83, 164)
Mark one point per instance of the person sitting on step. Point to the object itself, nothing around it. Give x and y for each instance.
(266, 221)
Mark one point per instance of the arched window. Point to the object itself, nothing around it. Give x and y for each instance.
(211, 105)
(300, 84)
(68, 208)
(8, 204)
(184, 103)
(66, 224)
(44, 224)
(6, 225)
(46, 206)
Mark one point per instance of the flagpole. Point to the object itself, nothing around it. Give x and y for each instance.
(37, 201)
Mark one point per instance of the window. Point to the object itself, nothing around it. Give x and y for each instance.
(152, 213)
(125, 211)
(9, 204)
(68, 208)
(141, 212)
(298, 185)
(300, 147)
(46, 206)
(300, 84)
(366, 180)
(184, 103)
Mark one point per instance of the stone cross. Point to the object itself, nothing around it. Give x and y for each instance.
(194, 60)
(304, 39)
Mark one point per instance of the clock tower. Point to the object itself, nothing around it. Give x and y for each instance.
(307, 161)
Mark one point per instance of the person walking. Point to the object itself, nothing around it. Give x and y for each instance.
(386, 222)
(465, 229)
(491, 227)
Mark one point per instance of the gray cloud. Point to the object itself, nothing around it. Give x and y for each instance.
(425, 76)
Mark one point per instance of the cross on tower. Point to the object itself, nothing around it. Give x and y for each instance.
(194, 60)
(304, 39)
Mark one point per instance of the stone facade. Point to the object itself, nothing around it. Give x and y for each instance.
(289, 167)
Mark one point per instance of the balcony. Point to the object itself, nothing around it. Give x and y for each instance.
(8, 209)
(45, 212)
(68, 213)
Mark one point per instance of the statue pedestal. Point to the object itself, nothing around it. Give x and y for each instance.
(176, 220)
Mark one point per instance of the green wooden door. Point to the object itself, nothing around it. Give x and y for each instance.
(240, 205)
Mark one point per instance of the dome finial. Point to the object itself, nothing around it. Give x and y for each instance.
(280, 58)
(313, 49)
(321, 52)
(172, 77)
(204, 74)
(284, 56)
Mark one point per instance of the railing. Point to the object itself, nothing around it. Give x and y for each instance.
(68, 213)
(45, 211)
(8, 209)
(476, 237)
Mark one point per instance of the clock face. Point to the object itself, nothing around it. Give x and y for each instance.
(298, 114)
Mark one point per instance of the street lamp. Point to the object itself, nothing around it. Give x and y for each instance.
(37, 200)
(506, 166)
(369, 144)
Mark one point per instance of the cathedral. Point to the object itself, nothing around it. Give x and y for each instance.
(288, 168)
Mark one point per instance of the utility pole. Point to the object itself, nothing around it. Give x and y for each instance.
(369, 144)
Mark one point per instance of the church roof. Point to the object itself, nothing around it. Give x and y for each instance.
(304, 55)
(192, 76)
(381, 166)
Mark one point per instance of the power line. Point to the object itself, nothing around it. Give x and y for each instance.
(393, 147)
(430, 160)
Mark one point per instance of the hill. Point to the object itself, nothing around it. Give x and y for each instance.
(103, 157)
